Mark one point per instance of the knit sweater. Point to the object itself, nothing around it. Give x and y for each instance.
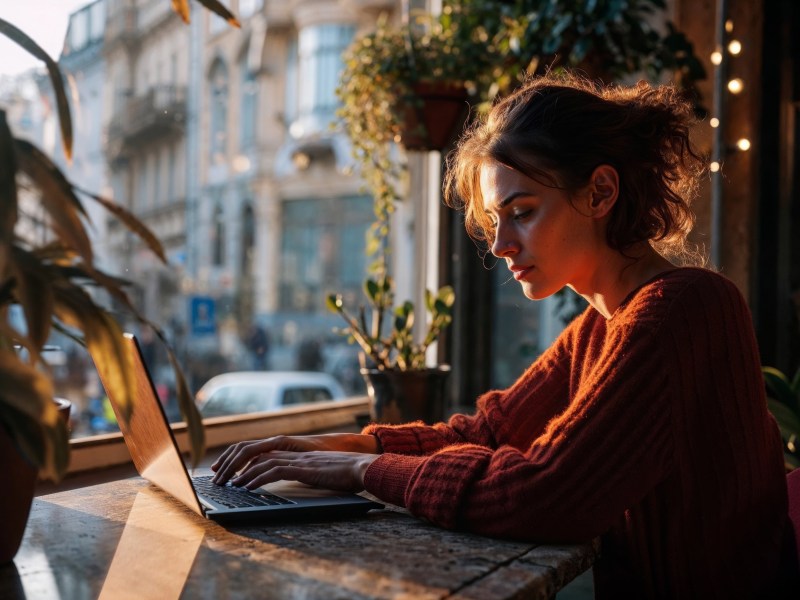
(649, 429)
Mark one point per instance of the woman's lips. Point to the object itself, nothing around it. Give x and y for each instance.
(520, 272)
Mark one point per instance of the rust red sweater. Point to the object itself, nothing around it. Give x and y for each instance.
(650, 429)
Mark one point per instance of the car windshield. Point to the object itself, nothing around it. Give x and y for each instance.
(238, 399)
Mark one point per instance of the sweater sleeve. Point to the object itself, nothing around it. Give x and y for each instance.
(599, 456)
(527, 406)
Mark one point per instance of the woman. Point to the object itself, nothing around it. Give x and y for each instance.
(645, 423)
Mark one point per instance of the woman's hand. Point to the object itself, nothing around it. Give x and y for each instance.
(240, 455)
(328, 469)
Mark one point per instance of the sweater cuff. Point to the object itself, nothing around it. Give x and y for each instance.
(401, 439)
(389, 476)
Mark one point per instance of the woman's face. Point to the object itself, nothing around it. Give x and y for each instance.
(547, 240)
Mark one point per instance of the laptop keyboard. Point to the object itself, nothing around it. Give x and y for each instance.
(235, 497)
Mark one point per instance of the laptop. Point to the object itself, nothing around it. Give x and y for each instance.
(157, 458)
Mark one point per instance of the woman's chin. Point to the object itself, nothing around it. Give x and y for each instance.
(537, 292)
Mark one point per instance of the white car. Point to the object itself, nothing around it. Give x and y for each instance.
(244, 392)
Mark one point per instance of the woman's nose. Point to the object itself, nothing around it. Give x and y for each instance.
(502, 245)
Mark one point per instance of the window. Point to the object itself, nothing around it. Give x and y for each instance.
(320, 63)
(248, 238)
(305, 395)
(218, 237)
(218, 102)
(322, 250)
(248, 94)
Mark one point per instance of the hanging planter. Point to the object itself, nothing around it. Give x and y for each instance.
(434, 115)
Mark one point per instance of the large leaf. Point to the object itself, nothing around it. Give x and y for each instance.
(182, 8)
(104, 341)
(22, 39)
(217, 7)
(779, 386)
(34, 293)
(194, 421)
(58, 198)
(131, 222)
(788, 420)
(8, 191)
(30, 415)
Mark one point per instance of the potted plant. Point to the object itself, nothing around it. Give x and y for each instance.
(47, 278)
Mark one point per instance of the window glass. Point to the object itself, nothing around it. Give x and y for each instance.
(249, 104)
(305, 395)
(320, 64)
(218, 102)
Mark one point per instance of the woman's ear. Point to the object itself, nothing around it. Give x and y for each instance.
(603, 190)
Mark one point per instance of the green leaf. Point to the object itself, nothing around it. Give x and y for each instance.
(22, 39)
(778, 384)
(334, 302)
(371, 289)
(788, 420)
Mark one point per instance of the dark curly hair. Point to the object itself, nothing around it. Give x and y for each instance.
(558, 128)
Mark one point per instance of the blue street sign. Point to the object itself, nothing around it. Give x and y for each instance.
(202, 315)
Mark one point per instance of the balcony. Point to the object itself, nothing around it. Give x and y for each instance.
(159, 113)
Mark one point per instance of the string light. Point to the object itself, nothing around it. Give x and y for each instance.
(714, 122)
(729, 26)
(743, 144)
(735, 86)
(716, 58)
(735, 47)
(714, 167)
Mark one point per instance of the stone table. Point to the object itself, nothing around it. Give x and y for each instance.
(128, 539)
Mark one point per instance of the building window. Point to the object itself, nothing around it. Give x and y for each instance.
(218, 237)
(218, 102)
(322, 251)
(248, 238)
(249, 104)
(320, 64)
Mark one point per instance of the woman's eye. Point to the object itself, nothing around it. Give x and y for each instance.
(518, 216)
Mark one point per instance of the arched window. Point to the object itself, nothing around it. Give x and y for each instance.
(249, 104)
(218, 237)
(218, 103)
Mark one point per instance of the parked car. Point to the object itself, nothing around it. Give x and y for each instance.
(243, 392)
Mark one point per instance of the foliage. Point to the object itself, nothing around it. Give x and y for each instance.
(46, 270)
(783, 399)
(487, 47)
(397, 349)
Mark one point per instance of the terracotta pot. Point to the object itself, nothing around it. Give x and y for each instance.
(404, 396)
(434, 122)
(15, 501)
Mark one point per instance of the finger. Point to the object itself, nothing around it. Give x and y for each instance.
(257, 469)
(238, 456)
(288, 472)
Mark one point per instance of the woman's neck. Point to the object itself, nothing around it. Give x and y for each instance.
(617, 275)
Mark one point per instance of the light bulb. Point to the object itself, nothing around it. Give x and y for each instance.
(729, 26)
(735, 47)
(735, 86)
(714, 167)
(714, 122)
(716, 57)
(743, 144)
